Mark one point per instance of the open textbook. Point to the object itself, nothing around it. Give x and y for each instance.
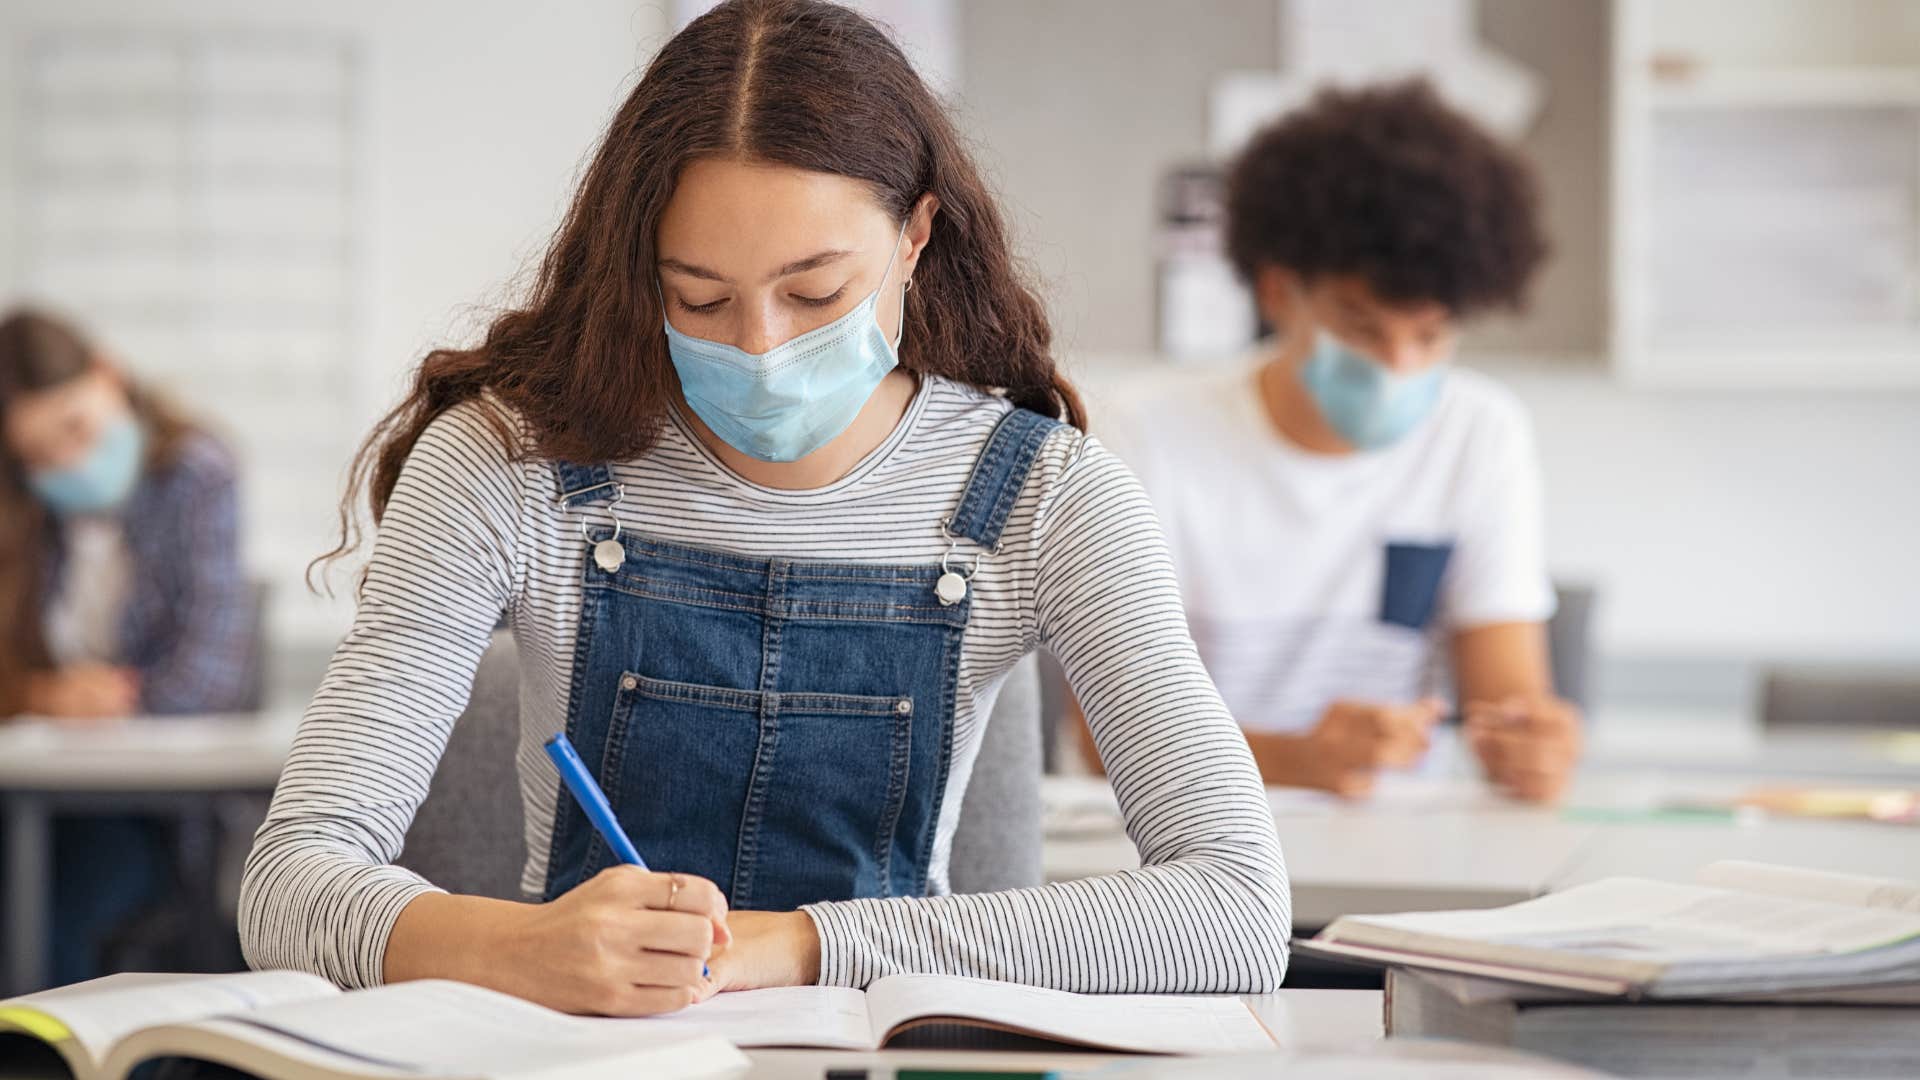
(1743, 929)
(842, 1019)
(290, 1026)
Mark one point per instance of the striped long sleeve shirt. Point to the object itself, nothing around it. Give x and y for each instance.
(473, 532)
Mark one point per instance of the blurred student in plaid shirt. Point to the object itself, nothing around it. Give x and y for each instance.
(122, 589)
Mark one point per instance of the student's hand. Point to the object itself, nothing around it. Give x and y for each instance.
(85, 693)
(1352, 742)
(1528, 745)
(613, 946)
(770, 948)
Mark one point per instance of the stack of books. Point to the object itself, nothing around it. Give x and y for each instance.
(1751, 971)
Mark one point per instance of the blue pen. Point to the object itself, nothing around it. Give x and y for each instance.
(587, 792)
(592, 799)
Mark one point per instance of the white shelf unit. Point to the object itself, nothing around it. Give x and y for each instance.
(194, 197)
(1766, 193)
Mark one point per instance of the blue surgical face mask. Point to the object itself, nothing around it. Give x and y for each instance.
(793, 399)
(101, 480)
(1368, 405)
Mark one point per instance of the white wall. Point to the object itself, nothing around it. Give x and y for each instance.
(1764, 525)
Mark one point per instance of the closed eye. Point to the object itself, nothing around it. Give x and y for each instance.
(699, 308)
(821, 301)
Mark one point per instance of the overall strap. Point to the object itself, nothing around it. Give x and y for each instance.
(998, 475)
(581, 485)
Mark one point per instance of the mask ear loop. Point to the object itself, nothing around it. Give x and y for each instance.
(900, 331)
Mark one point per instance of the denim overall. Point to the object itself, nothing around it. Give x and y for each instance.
(783, 728)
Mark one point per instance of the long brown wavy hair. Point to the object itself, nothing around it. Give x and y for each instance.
(583, 360)
(38, 352)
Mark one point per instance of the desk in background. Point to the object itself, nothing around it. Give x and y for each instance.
(1437, 842)
(168, 766)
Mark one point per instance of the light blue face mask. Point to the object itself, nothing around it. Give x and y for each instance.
(793, 399)
(1368, 405)
(102, 479)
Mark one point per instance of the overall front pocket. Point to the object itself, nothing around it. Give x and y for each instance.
(781, 799)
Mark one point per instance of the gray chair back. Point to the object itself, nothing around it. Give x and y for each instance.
(997, 842)
(1810, 697)
(467, 836)
(259, 600)
(1570, 638)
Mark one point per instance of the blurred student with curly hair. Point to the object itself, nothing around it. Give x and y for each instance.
(1354, 504)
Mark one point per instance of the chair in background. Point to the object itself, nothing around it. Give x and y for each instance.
(259, 598)
(1806, 697)
(1570, 637)
(468, 835)
(996, 844)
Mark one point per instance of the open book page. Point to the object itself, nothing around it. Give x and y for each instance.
(450, 1028)
(815, 1016)
(98, 1019)
(1856, 889)
(1654, 923)
(1145, 1023)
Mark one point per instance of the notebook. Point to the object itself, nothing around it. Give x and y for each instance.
(836, 1018)
(1742, 929)
(284, 1025)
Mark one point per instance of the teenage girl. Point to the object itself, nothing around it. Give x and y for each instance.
(774, 479)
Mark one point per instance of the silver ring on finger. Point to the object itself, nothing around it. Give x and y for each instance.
(673, 890)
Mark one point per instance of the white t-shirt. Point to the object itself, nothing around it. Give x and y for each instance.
(1314, 577)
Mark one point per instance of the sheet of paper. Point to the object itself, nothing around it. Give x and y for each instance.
(824, 1016)
(101, 1018)
(1149, 1023)
(1856, 889)
(1663, 922)
(453, 1029)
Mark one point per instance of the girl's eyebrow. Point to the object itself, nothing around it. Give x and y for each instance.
(798, 266)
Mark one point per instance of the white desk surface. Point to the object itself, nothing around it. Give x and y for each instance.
(1433, 843)
(1676, 850)
(1419, 843)
(148, 754)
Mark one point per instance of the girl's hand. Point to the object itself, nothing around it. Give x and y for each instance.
(627, 942)
(770, 948)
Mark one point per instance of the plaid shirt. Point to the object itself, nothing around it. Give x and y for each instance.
(190, 625)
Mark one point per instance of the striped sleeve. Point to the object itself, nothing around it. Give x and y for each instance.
(1209, 910)
(319, 893)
